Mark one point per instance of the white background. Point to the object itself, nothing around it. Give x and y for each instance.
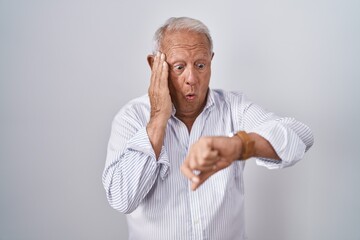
(67, 67)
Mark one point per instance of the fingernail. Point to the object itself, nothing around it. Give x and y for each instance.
(162, 56)
(195, 179)
(158, 54)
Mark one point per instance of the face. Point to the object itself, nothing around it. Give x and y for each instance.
(189, 57)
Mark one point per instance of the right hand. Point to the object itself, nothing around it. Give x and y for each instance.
(160, 102)
(159, 94)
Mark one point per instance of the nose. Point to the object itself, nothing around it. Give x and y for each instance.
(191, 77)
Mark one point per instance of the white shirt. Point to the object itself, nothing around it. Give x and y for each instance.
(156, 196)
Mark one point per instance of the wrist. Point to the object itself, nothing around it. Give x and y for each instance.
(237, 143)
(156, 133)
(157, 122)
(247, 149)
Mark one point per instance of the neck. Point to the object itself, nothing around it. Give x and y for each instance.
(188, 121)
(188, 118)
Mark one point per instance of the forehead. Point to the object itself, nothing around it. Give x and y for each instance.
(175, 42)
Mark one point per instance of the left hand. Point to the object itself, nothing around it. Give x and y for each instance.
(209, 155)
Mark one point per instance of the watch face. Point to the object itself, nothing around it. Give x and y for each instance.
(231, 134)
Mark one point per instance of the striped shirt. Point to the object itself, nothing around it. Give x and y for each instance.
(155, 195)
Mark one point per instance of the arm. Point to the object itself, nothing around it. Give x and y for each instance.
(212, 154)
(289, 138)
(279, 142)
(262, 147)
(131, 168)
(136, 155)
(160, 101)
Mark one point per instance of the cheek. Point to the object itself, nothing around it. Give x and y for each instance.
(205, 79)
(173, 84)
(175, 80)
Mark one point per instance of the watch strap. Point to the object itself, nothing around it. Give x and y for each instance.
(248, 145)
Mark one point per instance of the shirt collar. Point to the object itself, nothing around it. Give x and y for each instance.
(210, 102)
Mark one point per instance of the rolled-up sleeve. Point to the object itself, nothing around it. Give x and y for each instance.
(131, 168)
(289, 137)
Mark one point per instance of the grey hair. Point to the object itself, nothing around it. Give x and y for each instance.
(181, 23)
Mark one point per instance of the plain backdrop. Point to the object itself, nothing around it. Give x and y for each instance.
(67, 67)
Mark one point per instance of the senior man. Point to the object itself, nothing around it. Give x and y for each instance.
(171, 165)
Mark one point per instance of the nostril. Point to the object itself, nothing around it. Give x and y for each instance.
(189, 81)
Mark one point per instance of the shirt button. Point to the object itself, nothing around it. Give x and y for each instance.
(196, 221)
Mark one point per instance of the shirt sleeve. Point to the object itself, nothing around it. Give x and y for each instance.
(131, 167)
(289, 137)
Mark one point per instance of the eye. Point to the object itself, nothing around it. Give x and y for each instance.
(178, 67)
(200, 65)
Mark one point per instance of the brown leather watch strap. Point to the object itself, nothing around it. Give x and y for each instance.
(248, 145)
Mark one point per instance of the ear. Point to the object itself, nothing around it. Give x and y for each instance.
(150, 60)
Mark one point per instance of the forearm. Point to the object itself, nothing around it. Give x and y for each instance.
(156, 133)
(288, 144)
(263, 149)
(160, 101)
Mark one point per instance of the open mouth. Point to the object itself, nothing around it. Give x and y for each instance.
(190, 97)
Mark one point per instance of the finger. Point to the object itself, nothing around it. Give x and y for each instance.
(207, 164)
(204, 163)
(203, 176)
(190, 160)
(209, 158)
(189, 173)
(205, 168)
(159, 70)
(164, 73)
(155, 71)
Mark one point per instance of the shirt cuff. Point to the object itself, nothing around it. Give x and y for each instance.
(140, 142)
(286, 143)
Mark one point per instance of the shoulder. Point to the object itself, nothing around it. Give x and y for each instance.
(228, 97)
(138, 104)
(235, 102)
(137, 110)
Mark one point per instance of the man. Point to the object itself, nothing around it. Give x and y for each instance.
(171, 166)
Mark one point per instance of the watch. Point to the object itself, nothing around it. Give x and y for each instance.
(248, 145)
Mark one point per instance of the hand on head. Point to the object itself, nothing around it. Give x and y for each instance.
(160, 101)
(159, 94)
